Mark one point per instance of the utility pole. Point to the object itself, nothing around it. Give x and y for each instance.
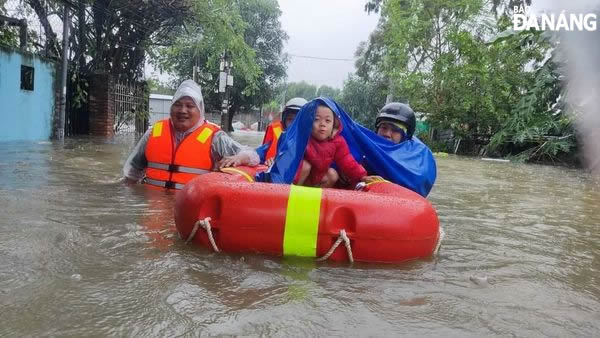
(60, 132)
(196, 71)
(225, 84)
(260, 114)
(283, 97)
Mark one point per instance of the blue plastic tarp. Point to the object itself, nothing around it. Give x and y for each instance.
(409, 163)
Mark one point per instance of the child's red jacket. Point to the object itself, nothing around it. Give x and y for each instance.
(322, 154)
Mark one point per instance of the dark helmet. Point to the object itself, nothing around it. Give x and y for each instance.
(397, 112)
(293, 105)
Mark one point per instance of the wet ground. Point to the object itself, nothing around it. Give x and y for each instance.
(83, 255)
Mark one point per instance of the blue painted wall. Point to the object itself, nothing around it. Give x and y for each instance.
(24, 114)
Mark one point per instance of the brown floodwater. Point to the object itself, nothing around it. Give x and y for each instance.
(83, 255)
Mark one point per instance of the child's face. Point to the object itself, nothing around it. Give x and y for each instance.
(323, 123)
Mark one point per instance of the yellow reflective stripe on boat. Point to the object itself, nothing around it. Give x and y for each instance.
(302, 221)
(231, 170)
(157, 129)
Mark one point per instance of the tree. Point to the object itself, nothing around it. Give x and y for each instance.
(9, 36)
(537, 128)
(373, 6)
(264, 34)
(361, 99)
(328, 92)
(111, 36)
(299, 89)
(10, 31)
(250, 32)
(459, 62)
(155, 86)
(434, 55)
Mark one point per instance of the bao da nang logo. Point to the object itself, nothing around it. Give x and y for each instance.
(524, 20)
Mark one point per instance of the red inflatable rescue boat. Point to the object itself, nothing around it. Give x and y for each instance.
(382, 223)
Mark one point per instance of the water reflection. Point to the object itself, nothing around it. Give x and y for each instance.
(81, 254)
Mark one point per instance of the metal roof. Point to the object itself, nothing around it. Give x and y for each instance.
(161, 97)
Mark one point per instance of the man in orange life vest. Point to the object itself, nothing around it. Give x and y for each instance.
(275, 129)
(177, 149)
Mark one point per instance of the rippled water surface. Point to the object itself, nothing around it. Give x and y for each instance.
(83, 255)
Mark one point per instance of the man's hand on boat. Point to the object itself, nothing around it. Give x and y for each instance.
(233, 161)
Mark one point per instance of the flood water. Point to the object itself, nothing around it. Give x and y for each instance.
(83, 255)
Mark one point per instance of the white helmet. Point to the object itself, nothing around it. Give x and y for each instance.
(295, 103)
(292, 106)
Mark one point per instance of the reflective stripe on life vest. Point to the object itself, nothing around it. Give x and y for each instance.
(177, 168)
(276, 128)
(163, 184)
(302, 221)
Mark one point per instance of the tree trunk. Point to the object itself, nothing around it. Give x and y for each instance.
(232, 111)
(52, 42)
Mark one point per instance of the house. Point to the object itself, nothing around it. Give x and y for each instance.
(160, 106)
(27, 92)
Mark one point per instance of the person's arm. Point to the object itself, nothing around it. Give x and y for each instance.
(262, 154)
(226, 152)
(346, 162)
(134, 168)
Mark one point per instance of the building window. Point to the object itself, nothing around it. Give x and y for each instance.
(26, 77)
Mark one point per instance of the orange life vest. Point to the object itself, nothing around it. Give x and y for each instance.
(273, 133)
(171, 167)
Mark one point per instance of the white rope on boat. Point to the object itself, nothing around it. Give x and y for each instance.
(205, 224)
(439, 242)
(341, 238)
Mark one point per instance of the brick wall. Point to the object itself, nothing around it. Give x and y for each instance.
(101, 105)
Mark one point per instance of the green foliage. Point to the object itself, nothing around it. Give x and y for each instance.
(9, 36)
(330, 92)
(299, 89)
(251, 34)
(434, 145)
(537, 129)
(373, 6)
(109, 37)
(460, 64)
(214, 27)
(271, 107)
(80, 90)
(264, 35)
(362, 100)
(155, 86)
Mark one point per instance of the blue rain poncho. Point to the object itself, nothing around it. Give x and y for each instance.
(409, 163)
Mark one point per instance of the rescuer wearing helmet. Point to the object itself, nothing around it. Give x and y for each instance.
(274, 130)
(396, 122)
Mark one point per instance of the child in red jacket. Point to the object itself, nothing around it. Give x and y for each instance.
(326, 146)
